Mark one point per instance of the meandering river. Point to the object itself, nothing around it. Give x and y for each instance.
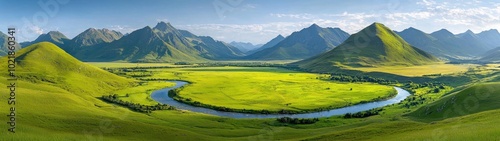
(162, 97)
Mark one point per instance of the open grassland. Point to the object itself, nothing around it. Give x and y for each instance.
(57, 100)
(493, 66)
(477, 98)
(418, 70)
(272, 89)
(142, 94)
(51, 113)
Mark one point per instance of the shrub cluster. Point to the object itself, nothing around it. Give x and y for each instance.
(364, 114)
(136, 106)
(297, 120)
(349, 78)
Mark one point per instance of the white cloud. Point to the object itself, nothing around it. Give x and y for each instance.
(122, 28)
(429, 15)
(161, 20)
(305, 16)
(249, 6)
(426, 2)
(36, 29)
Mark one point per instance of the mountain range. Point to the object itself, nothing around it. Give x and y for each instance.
(269, 44)
(165, 43)
(245, 46)
(4, 44)
(162, 43)
(491, 56)
(303, 44)
(375, 45)
(446, 45)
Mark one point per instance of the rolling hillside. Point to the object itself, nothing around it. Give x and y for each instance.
(375, 45)
(303, 44)
(57, 100)
(475, 99)
(48, 64)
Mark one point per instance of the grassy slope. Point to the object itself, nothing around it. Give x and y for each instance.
(420, 70)
(49, 112)
(269, 88)
(466, 120)
(45, 63)
(477, 98)
(56, 101)
(376, 45)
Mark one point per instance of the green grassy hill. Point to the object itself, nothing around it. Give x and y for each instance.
(475, 99)
(375, 45)
(45, 63)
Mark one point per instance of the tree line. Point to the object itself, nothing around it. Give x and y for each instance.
(297, 120)
(135, 106)
(363, 114)
(349, 78)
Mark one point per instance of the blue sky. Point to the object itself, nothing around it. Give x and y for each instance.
(255, 21)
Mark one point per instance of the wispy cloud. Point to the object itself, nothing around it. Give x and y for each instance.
(441, 14)
(305, 16)
(36, 29)
(122, 28)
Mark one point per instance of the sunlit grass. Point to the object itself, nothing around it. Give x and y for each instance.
(418, 70)
(270, 89)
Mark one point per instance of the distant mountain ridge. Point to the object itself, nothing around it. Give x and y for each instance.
(245, 46)
(163, 43)
(490, 37)
(4, 44)
(269, 44)
(491, 56)
(375, 45)
(94, 36)
(445, 44)
(303, 44)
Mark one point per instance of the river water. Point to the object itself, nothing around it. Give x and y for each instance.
(162, 97)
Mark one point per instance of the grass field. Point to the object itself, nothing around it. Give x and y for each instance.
(418, 70)
(493, 66)
(56, 100)
(92, 119)
(272, 89)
